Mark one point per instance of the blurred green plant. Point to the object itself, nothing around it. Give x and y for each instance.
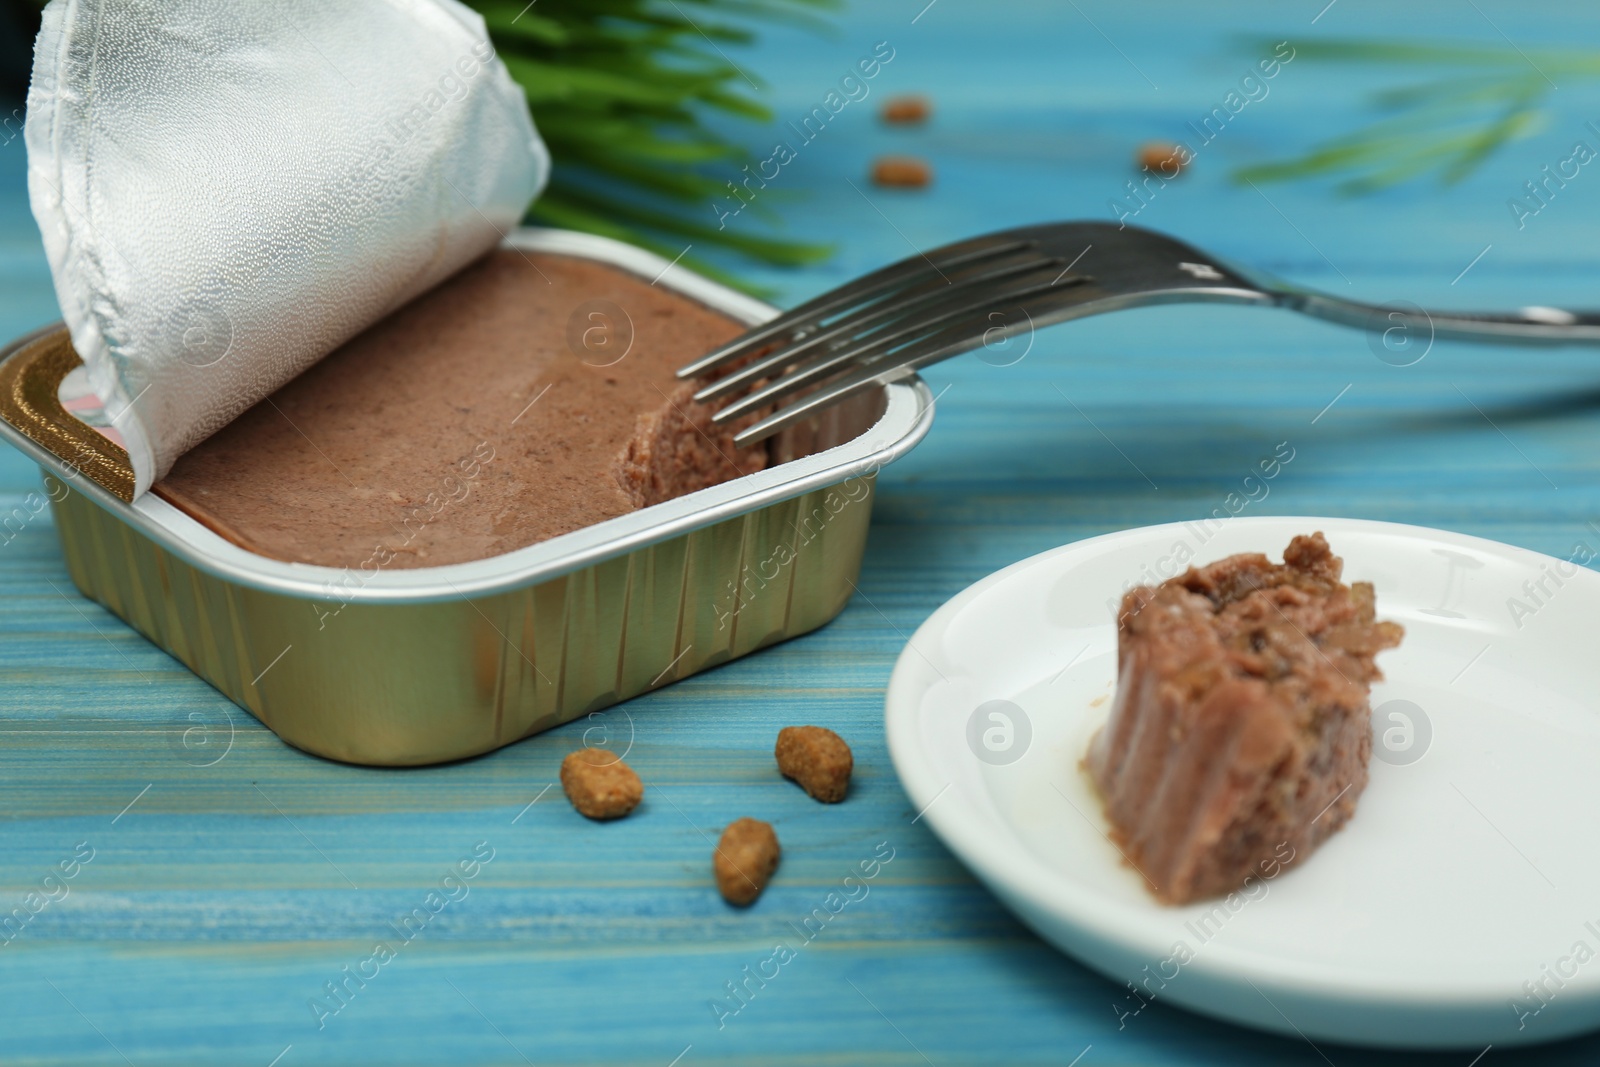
(621, 90)
(1480, 99)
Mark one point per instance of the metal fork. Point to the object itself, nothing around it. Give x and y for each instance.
(929, 307)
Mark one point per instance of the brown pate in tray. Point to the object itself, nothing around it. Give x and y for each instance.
(494, 412)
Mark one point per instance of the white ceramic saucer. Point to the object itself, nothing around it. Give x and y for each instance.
(1461, 905)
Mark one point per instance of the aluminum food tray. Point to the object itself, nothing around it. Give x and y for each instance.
(424, 665)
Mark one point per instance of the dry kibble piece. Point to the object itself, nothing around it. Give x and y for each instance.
(1166, 160)
(903, 172)
(599, 784)
(818, 759)
(744, 860)
(906, 110)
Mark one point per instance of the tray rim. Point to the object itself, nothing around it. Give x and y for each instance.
(907, 417)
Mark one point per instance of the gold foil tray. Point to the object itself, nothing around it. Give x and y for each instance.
(436, 664)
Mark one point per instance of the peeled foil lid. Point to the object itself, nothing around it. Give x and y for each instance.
(229, 191)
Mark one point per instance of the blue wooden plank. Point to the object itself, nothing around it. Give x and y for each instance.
(220, 902)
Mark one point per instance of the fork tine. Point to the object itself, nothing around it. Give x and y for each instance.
(858, 291)
(831, 394)
(951, 340)
(905, 303)
(870, 349)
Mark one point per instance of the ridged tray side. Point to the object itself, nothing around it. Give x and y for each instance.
(409, 684)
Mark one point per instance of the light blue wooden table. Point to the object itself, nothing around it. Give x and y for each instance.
(221, 897)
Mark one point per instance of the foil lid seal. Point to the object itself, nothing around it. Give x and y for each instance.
(227, 192)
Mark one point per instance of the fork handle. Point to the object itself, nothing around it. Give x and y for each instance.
(1528, 326)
